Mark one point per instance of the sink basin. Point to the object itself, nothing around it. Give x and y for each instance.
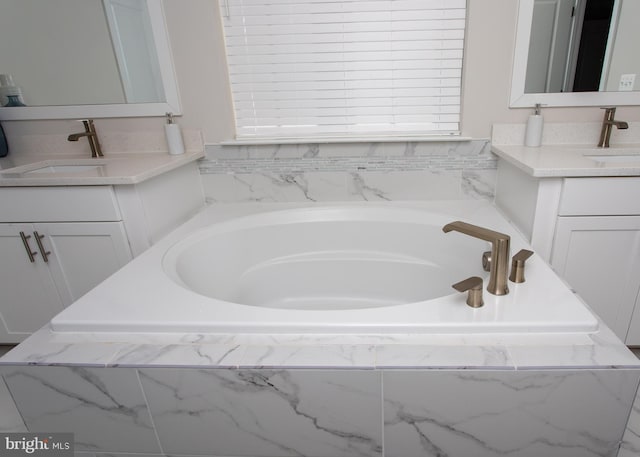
(613, 155)
(59, 166)
(64, 169)
(618, 158)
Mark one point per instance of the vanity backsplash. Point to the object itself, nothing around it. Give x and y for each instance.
(152, 141)
(586, 133)
(349, 171)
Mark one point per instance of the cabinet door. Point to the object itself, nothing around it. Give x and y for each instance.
(83, 254)
(600, 259)
(28, 296)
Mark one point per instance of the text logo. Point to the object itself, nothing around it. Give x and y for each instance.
(36, 444)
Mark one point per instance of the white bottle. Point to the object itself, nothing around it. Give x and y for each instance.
(535, 124)
(174, 136)
(9, 89)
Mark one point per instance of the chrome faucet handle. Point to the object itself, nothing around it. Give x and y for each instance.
(474, 286)
(517, 265)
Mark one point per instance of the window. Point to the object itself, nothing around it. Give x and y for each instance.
(310, 68)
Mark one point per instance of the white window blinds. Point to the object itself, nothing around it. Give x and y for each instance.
(310, 68)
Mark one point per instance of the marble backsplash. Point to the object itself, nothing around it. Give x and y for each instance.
(349, 171)
(583, 133)
(112, 142)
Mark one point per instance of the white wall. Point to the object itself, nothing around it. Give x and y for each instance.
(197, 43)
(625, 51)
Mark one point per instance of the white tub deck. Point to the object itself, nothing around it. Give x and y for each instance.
(179, 286)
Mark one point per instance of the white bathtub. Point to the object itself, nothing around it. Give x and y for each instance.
(339, 269)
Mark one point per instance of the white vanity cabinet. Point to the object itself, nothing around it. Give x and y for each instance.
(56, 243)
(27, 291)
(599, 256)
(85, 234)
(588, 228)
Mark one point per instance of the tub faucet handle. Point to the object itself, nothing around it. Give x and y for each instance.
(474, 286)
(517, 265)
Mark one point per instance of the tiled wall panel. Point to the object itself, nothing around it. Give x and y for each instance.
(349, 172)
(519, 414)
(265, 412)
(104, 407)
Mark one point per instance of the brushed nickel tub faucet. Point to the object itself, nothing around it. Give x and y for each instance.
(92, 136)
(499, 267)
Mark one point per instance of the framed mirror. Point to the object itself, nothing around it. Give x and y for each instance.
(576, 53)
(72, 59)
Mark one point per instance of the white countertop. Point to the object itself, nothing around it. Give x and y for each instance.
(113, 169)
(572, 160)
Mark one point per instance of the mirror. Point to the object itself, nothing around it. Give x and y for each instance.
(86, 59)
(576, 53)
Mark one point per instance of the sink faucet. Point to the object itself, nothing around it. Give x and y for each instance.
(92, 136)
(499, 253)
(607, 126)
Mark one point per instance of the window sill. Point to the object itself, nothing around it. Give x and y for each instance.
(350, 139)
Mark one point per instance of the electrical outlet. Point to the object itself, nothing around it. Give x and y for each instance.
(627, 82)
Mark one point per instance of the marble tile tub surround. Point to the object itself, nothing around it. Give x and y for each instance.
(576, 133)
(630, 446)
(328, 413)
(349, 171)
(303, 376)
(517, 414)
(601, 350)
(471, 351)
(301, 379)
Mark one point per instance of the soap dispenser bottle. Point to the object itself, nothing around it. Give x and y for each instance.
(535, 124)
(174, 136)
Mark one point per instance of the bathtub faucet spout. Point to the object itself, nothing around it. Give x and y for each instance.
(499, 253)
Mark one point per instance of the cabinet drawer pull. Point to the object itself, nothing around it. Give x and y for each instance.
(25, 241)
(45, 253)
